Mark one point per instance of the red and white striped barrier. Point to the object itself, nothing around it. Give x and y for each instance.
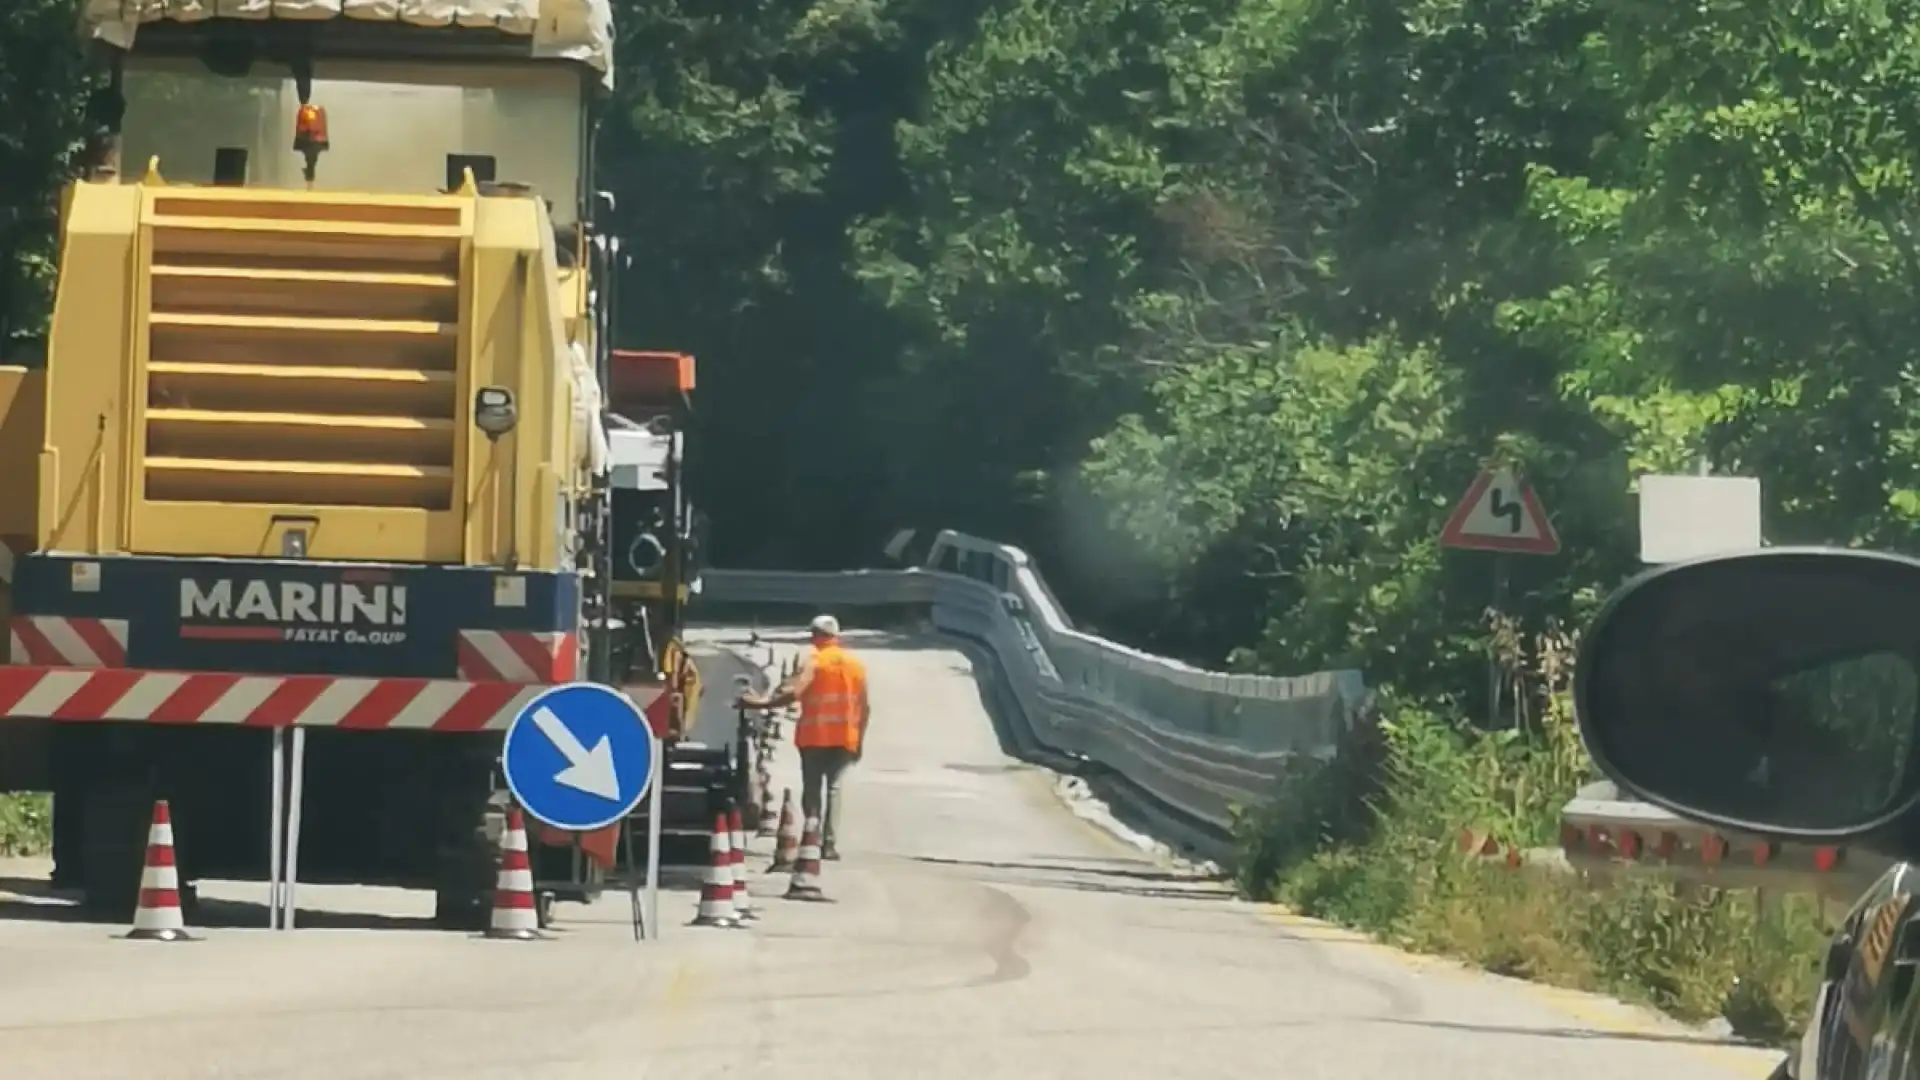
(67, 642)
(268, 701)
(1664, 850)
(716, 891)
(1603, 834)
(517, 657)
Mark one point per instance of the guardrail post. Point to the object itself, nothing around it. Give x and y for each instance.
(741, 795)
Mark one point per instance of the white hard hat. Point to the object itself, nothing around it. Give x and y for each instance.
(825, 624)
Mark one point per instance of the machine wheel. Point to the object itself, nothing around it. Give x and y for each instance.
(464, 878)
(113, 844)
(458, 910)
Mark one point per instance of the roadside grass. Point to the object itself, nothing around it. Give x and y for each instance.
(1371, 842)
(26, 824)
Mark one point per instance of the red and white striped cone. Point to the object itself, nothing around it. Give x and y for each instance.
(716, 892)
(806, 869)
(742, 900)
(787, 848)
(158, 916)
(515, 915)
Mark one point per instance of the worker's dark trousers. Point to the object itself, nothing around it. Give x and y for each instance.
(820, 773)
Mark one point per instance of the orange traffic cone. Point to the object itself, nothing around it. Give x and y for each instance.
(806, 869)
(159, 917)
(742, 900)
(515, 918)
(787, 848)
(716, 893)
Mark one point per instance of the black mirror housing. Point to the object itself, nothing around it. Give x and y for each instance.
(1775, 692)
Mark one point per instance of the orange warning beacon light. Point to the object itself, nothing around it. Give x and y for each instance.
(310, 129)
(310, 138)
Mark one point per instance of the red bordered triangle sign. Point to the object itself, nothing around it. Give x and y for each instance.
(1500, 513)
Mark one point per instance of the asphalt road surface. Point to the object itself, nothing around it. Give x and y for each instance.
(979, 931)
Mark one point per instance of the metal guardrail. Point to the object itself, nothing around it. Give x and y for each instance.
(1198, 742)
(1202, 742)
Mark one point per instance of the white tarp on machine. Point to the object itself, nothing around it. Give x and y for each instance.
(579, 30)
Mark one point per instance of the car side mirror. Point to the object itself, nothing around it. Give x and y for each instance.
(1775, 691)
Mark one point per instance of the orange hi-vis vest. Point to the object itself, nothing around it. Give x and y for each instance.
(830, 708)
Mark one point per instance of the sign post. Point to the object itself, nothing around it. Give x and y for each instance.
(580, 757)
(1501, 514)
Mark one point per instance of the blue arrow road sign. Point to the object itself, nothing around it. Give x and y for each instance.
(579, 756)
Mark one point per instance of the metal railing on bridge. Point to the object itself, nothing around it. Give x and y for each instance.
(1200, 742)
(1197, 742)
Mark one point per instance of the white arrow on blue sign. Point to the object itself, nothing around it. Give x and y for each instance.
(580, 756)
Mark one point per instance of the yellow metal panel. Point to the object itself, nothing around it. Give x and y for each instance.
(134, 376)
(343, 532)
(248, 357)
(23, 426)
(83, 469)
(563, 456)
(498, 246)
(519, 343)
(329, 321)
(578, 323)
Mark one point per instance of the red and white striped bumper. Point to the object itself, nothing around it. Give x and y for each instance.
(265, 701)
(517, 656)
(67, 642)
(525, 657)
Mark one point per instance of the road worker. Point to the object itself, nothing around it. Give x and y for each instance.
(831, 687)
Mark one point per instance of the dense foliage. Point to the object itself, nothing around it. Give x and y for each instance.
(1219, 303)
(1227, 299)
(1387, 838)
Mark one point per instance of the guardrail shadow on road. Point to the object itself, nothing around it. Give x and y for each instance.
(1113, 868)
(1681, 1038)
(1088, 876)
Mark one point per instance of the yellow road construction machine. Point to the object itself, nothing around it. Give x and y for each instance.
(322, 441)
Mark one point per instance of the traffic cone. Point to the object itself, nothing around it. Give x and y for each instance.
(515, 918)
(742, 901)
(716, 892)
(787, 848)
(158, 916)
(806, 869)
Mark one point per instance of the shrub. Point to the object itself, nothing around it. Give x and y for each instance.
(1388, 862)
(26, 824)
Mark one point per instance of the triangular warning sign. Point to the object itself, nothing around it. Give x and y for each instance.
(1500, 513)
